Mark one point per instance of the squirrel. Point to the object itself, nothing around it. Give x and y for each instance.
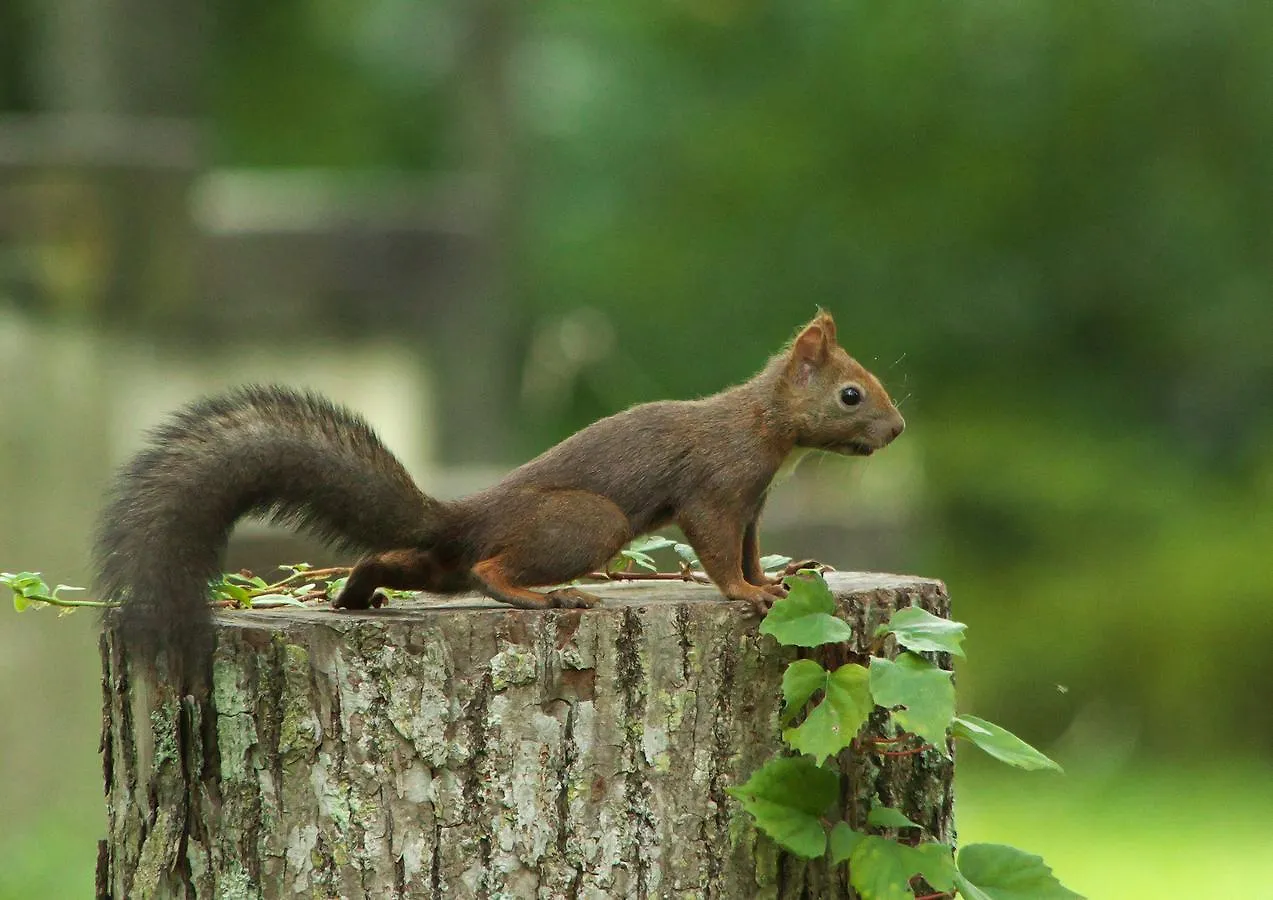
(297, 459)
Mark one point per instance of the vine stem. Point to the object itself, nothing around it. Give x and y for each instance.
(58, 601)
(892, 740)
(650, 576)
(912, 752)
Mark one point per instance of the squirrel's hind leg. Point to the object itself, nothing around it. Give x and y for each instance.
(490, 573)
(560, 535)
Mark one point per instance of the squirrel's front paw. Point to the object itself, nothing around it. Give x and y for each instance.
(760, 598)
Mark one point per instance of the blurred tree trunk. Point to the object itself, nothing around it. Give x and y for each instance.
(473, 342)
(118, 89)
(469, 750)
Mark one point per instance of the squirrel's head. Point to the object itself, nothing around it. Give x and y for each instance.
(833, 402)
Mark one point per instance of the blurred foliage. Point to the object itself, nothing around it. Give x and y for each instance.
(1046, 226)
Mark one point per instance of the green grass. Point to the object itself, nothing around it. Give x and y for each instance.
(54, 854)
(1194, 832)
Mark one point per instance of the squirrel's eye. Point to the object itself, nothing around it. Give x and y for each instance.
(850, 396)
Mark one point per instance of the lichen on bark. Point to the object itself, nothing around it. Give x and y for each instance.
(460, 749)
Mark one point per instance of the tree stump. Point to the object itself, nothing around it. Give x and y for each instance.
(461, 749)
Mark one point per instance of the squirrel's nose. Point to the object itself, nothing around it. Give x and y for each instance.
(897, 429)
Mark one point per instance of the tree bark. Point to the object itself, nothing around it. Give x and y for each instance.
(462, 749)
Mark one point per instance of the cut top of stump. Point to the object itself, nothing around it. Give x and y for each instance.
(866, 600)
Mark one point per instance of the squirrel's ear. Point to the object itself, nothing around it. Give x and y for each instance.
(824, 320)
(811, 348)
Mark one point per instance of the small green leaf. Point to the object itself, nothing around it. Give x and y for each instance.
(787, 797)
(1002, 744)
(236, 578)
(686, 553)
(804, 618)
(937, 865)
(641, 559)
(881, 869)
(233, 592)
(774, 561)
(843, 840)
(29, 584)
(650, 543)
(268, 601)
(919, 630)
(303, 588)
(802, 680)
(336, 585)
(998, 872)
(20, 603)
(887, 817)
(833, 723)
(925, 691)
(296, 567)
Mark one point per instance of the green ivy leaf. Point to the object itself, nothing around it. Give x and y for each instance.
(804, 618)
(29, 589)
(1002, 744)
(686, 553)
(843, 840)
(25, 583)
(919, 630)
(998, 872)
(235, 593)
(887, 817)
(787, 797)
(248, 580)
(881, 869)
(643, 560)
(802, 680)
(833, 723)
(269, 601)
(774, 561)
(925, 691)
(650, 543)
(937, 865)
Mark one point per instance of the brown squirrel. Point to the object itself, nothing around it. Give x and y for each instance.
(297, 459)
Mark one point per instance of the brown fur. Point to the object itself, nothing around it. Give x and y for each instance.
(704, 465)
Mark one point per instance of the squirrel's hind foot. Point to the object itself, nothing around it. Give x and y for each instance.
(573, 598)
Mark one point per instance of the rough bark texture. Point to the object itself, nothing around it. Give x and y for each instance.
(460, 749)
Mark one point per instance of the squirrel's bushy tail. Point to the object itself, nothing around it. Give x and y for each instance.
(294, 458)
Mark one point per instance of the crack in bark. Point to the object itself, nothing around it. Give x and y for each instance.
(636, 788)
(717, 844)
(568, 755)
(477, 802)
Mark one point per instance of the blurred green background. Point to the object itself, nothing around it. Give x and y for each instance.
(1047, 227)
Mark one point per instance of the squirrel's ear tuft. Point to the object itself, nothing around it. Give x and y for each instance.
(811, 348)
(826, 323)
